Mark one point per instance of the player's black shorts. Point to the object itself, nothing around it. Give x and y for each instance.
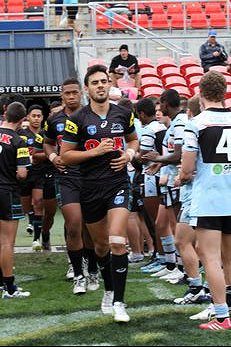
(172, 196)
(10, 205)
(32, 182)
(222, 223)
(97, 198)
(68, 190)
(136, 193)
(49, 186)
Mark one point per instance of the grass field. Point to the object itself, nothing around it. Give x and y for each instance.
(53, 316)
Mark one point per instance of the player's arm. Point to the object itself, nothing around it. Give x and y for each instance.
(188, 166)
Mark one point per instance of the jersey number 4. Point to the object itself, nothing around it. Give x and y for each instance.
(224, 145)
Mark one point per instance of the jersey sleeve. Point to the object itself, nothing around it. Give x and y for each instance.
(130, 127)
(71, 132)
(23, 155)
(178, 132)
(38, 143)
(147, 141)
(191, 137)
(49, 131)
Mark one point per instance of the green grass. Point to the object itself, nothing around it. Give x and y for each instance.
(53, 316)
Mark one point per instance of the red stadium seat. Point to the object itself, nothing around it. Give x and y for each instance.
(122, 83)
(15, 9)
(152, 91)
(145, 62)
(183, 91)
(228, 78)
(228, 103)
(193, 81)
(198, 20)
(170, 71)
(177, 21)
(172, 81)
(174, 8)
(156, 8)
(218, 20)
(96, 62)
(195, 90)
(34, 3)
(150, 82)
(122, 22)
(228, 92)
(148, 71)
(187, 62)
(139, 4)
(15, 3)
(141, 19)
(102, 22)
(164, 62)
(193, 7)
(220, 68)
(193, 71)
(212, 7)
(160, 21)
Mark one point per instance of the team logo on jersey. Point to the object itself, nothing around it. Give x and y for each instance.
(104, 124)
(91, 129)
(117, 128)
(60, 127)
(119, 199)
(30, 142)
(71, 127)
(23, 152)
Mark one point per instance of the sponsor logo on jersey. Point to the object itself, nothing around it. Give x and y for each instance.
(132, 118)
(91, 129)
(119, 199)
(221, 169)
(24, 138)
(23, 152)
(60, 127)
(104, 124)
(117, 128)
(71, 127)
(120, 192)
(39, 138)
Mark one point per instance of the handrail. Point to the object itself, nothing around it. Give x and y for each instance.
(95, 6)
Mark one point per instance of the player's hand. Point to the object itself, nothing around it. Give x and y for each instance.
(150, 156)
(153, 169)
(119, 163)
(104, 147)
(58, 163)
(163, 180)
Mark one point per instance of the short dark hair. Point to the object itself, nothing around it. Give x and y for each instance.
(92, 70)
(55, 103)
(123, 47)
(71, 80)
(171, 97)
(35, 107)
(15, 112)
(147, 106)
(4, 101)
(125, 102)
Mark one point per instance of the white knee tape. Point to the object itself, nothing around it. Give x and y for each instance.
(117, 239)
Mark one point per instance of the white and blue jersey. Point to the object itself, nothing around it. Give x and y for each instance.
(176, 134)
(209, 134)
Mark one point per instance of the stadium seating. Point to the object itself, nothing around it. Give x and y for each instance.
(148, 72)
(96, 62)
(174, 8)
(123, 83)
(150, 82)
(212, 7)
(34, 3)
(199, 21)
(156, 8)
(228, 92)
(183, 91)
(177, 21)
(170, 71)
(187, 62)
(122, 22)
(193, 71)
(218, 20)
(220, 68)
(152, 91)
(173, 81)
(193, 81)
(145, 62)
(228, 102)
(193, 7)
(102, 22)
(164, 62)
(141, 19)
(159, 21)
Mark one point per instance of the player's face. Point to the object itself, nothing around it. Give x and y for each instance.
(98, 87)
(71, 96)
(159, 114)
(35, 118)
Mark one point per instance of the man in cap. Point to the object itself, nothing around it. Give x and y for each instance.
(212, 53)
(124, 59)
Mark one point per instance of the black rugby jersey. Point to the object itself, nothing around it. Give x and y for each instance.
(87, 129)
(54, 130)
(13, 154)
(46, 166)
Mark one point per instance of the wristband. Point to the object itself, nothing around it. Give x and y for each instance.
(131, 152)
(52, 156)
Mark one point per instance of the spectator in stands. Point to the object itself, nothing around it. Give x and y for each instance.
(212, 53)
(72, 12)
(58, 12)
(124, 59)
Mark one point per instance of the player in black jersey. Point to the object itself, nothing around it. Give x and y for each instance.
(32, 188)
(14, 158)
(68, 188)
(94, 138)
